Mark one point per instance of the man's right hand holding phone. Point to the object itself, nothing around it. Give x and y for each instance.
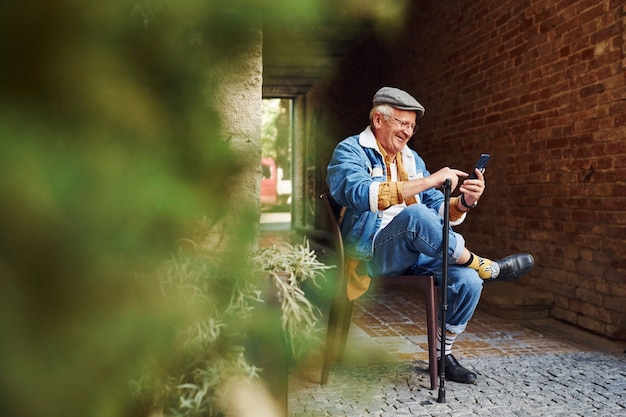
(472, 190)
(474, 186)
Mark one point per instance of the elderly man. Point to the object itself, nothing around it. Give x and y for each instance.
(394, 214)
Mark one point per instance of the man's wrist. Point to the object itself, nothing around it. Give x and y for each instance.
(456, 209)
(464, 203)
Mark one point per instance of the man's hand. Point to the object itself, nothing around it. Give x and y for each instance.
(434, 180)
(473, 189)
(440, 176)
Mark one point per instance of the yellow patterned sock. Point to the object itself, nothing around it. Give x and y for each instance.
(487, 269)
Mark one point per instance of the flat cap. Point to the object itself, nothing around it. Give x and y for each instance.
(399, 99)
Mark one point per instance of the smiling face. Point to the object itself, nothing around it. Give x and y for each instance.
(394, 132)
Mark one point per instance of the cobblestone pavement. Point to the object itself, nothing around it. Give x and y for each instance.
(539, 367)
(573, 384)
(525, 368)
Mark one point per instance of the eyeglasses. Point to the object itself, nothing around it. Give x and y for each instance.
(404, 125)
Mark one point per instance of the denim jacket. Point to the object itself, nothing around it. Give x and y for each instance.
(354, 173)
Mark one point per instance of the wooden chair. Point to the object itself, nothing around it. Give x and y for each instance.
(341, 307)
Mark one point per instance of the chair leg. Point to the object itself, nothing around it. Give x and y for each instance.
(337, 334)
(332, 338)
(346, 320)
(431, 323)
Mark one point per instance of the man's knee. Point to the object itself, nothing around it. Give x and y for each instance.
(418, 216)
(418, 210)
(468, 281)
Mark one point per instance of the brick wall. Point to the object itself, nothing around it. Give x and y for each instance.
(541, 85)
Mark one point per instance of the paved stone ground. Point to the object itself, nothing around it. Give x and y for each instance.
(539, 367)
(578, 384)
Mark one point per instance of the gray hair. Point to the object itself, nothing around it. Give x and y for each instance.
(385, 109)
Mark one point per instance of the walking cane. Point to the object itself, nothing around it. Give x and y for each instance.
(447, 185)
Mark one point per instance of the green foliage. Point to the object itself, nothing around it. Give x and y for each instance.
(218, 310)
(289, 266)
(111, 150)
(269, 132)
(212, 300)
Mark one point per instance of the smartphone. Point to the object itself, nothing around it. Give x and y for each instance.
(481, 165)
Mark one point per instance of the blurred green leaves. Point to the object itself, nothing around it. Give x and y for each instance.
(111, 150)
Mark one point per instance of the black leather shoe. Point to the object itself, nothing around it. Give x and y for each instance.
(513, 267)
(457, 373)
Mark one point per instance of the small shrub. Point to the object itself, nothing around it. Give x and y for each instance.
(217, 310)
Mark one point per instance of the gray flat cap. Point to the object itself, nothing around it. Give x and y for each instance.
(399, 99)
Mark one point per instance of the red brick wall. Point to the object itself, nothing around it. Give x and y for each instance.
(541, 85)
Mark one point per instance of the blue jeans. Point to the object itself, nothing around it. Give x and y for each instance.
(412, 244)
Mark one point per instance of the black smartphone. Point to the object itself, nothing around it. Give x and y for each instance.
(481, 165)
